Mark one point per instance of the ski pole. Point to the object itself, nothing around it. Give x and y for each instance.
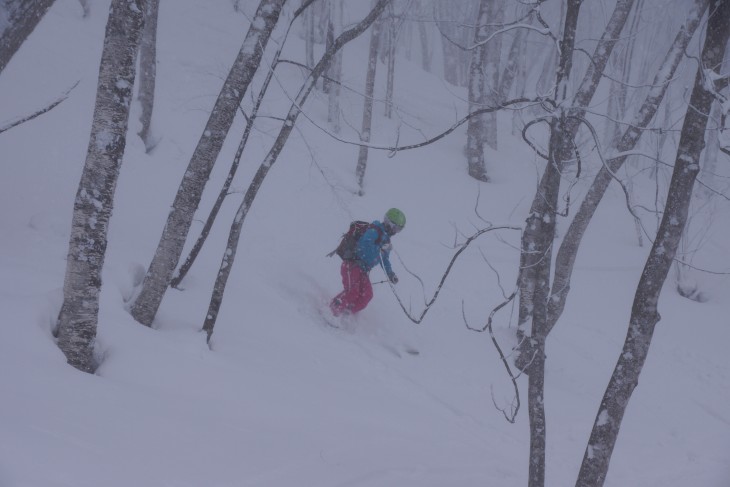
(380, 282)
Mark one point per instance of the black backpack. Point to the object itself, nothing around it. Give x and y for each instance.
(347, 249)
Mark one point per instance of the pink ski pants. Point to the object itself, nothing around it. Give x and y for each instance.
(357, 293)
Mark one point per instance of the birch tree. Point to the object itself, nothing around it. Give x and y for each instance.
(425, 41)
(188, 196)
(568, 250)
(334, 72)
(644, 312)
(148, 71)
(475, 130)
(539, 233)
(18, 19)
(79, 313)
(234, 235)
(367, 110)
(492, 62)
(250, 120)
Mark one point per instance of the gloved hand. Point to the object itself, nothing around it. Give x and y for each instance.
(387, 247)
(393, 278)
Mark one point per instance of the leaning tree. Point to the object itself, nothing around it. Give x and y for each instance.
(169, 249)
(644, 312)
(20, 19)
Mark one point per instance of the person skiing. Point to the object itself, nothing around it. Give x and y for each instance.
(361, 249)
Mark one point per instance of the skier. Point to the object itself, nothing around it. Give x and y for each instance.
(363, 247)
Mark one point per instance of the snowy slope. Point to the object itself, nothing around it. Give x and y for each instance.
(283, 399)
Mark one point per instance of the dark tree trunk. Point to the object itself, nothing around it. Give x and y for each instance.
(476, 129)
(309, 37)
(78, 318)
(22, 17)
(491, 70)
(515, 59)
(334, 72)
(148, 71)
(223, 193)
(201, 164)
(367, 111)
(534, 280)
(644, 312)
(393, 29)
(425, 47)
(230, 253)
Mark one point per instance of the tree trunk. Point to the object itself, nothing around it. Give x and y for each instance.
(476, 130)
(539, 234)
(455, 24)
(393, 28)
(644, 312)
(569, 248)
(148, 71)
(520, 87)
(230, 253)
(425, 47)
(514, 60)
(367, 111)
(534, 280)
(95, 197)
(491, 70)
(21, 18)
(223, 193)
(201, 164)
(334, 72)
(309, 37)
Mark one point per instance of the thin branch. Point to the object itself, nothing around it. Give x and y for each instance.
(488, 327)
(40, 112)
(462, 247)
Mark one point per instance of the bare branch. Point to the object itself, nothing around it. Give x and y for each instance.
(40, 112)
(488, 327)
(462, 247)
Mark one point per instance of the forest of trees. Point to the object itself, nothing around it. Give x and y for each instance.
(650, 90)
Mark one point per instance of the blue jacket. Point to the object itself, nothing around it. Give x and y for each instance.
(370, 248)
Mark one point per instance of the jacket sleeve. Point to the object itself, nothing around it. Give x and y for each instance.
(386, 260)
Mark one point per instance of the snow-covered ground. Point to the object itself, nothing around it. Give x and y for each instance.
(282, 399)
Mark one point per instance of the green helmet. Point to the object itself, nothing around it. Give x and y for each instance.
(396, 217)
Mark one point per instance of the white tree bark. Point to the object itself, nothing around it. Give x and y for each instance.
(78, 318)
(201, 164)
